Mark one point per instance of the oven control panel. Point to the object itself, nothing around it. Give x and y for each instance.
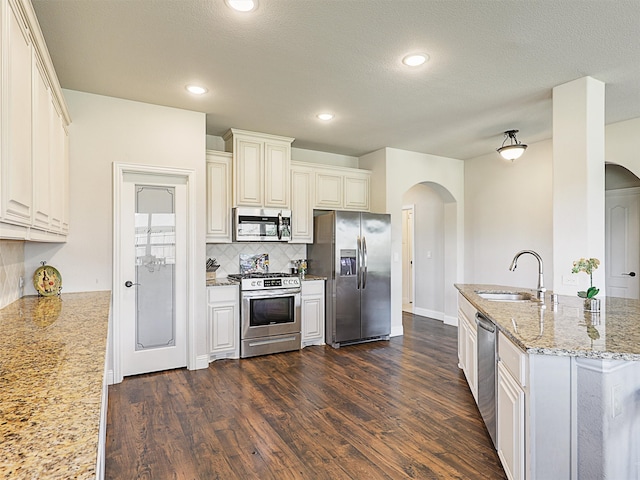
(267, 283)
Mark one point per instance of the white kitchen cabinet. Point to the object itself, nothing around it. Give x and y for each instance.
(16, 163)
(34, 150)
(511, 423)
(467, 344)
(223, 318)
(218, 197)
(356, 191)
(261, 168)
(341, 188)
(302, 187)
(312, 312)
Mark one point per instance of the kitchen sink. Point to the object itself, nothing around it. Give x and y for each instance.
(506, 296)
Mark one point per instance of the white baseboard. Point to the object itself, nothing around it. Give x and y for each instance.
(425, 312)
(202, 361)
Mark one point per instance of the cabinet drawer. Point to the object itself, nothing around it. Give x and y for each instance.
(227, 293)
(468, 310)
(514, 359)
(313, 287)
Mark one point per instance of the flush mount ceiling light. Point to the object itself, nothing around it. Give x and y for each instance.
(415, 59)
(514, 150)
(325, 116)
(196, 89)
(242, 5)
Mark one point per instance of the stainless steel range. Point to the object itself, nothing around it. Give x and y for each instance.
(269, 313)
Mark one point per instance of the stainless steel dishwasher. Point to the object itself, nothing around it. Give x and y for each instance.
(487, 335)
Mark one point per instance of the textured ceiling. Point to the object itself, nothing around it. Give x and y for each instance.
(493, 65)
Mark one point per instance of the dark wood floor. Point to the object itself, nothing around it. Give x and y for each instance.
(382, 410)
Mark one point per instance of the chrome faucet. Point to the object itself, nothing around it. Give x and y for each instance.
(514, 264)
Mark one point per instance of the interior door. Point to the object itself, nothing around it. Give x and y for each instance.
(622, 230)
(153, 313)
(407, 259)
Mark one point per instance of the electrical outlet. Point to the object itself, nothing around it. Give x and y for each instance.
(570, 280)
(21, 282)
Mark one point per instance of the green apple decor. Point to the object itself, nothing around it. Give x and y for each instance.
(587, 266)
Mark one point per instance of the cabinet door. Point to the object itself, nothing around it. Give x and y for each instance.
(16, 162)
(222, 331)
(218, 197)
(312, 312)
(277, 166)
(301, 205)
(356, 192)
(248, 174)
(511, 428)
(59, 171)
(328, 190)
(42, 148)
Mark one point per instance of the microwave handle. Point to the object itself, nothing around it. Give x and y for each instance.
(279, 226)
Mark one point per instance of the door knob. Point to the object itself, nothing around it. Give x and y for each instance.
(631, 274)
(130, 284)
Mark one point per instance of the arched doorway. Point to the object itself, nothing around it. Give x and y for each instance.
(433, 266)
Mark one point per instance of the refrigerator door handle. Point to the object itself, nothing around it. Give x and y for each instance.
(358, 262)
(365, 262)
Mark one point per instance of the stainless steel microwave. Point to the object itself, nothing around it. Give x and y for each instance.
(261, 225)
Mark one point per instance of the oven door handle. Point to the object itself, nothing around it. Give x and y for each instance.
(276, 292)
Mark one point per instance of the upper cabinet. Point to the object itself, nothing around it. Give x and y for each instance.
(33, 123)
(218, 197)
(341, 188)
(261, 168)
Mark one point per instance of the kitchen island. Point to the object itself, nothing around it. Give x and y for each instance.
(568, 384)
(53, 388)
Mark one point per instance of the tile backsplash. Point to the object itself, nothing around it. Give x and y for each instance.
(11, 269)
(280, 255)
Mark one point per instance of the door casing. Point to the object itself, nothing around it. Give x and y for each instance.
(119, 171)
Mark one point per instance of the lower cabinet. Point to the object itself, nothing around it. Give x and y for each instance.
(312, 312)
(467, 344)
(223, 319)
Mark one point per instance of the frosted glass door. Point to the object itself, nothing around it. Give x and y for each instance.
(155, 246)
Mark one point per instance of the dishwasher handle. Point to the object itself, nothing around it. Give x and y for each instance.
(484, 323)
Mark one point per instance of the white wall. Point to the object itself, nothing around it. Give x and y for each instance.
(401, 170)
(106, 130)
(509, 207)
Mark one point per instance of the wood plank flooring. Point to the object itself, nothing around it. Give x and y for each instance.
(382, 410)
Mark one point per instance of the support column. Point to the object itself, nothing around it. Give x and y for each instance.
(578, 182)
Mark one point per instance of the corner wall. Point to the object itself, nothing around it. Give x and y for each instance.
(107, 130)
(398, 171)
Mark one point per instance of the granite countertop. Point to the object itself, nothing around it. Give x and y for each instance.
(52, 361)
(566, 328)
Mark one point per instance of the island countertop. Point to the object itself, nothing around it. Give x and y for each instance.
(564, 329)
(52, 361)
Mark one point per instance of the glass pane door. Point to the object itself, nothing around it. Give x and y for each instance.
(155, 245)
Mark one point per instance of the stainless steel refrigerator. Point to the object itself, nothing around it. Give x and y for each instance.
(353, 251)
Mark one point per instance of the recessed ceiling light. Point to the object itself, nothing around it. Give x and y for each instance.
(325, 116)
(242, 5)
(415, 59)
(196, 89)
